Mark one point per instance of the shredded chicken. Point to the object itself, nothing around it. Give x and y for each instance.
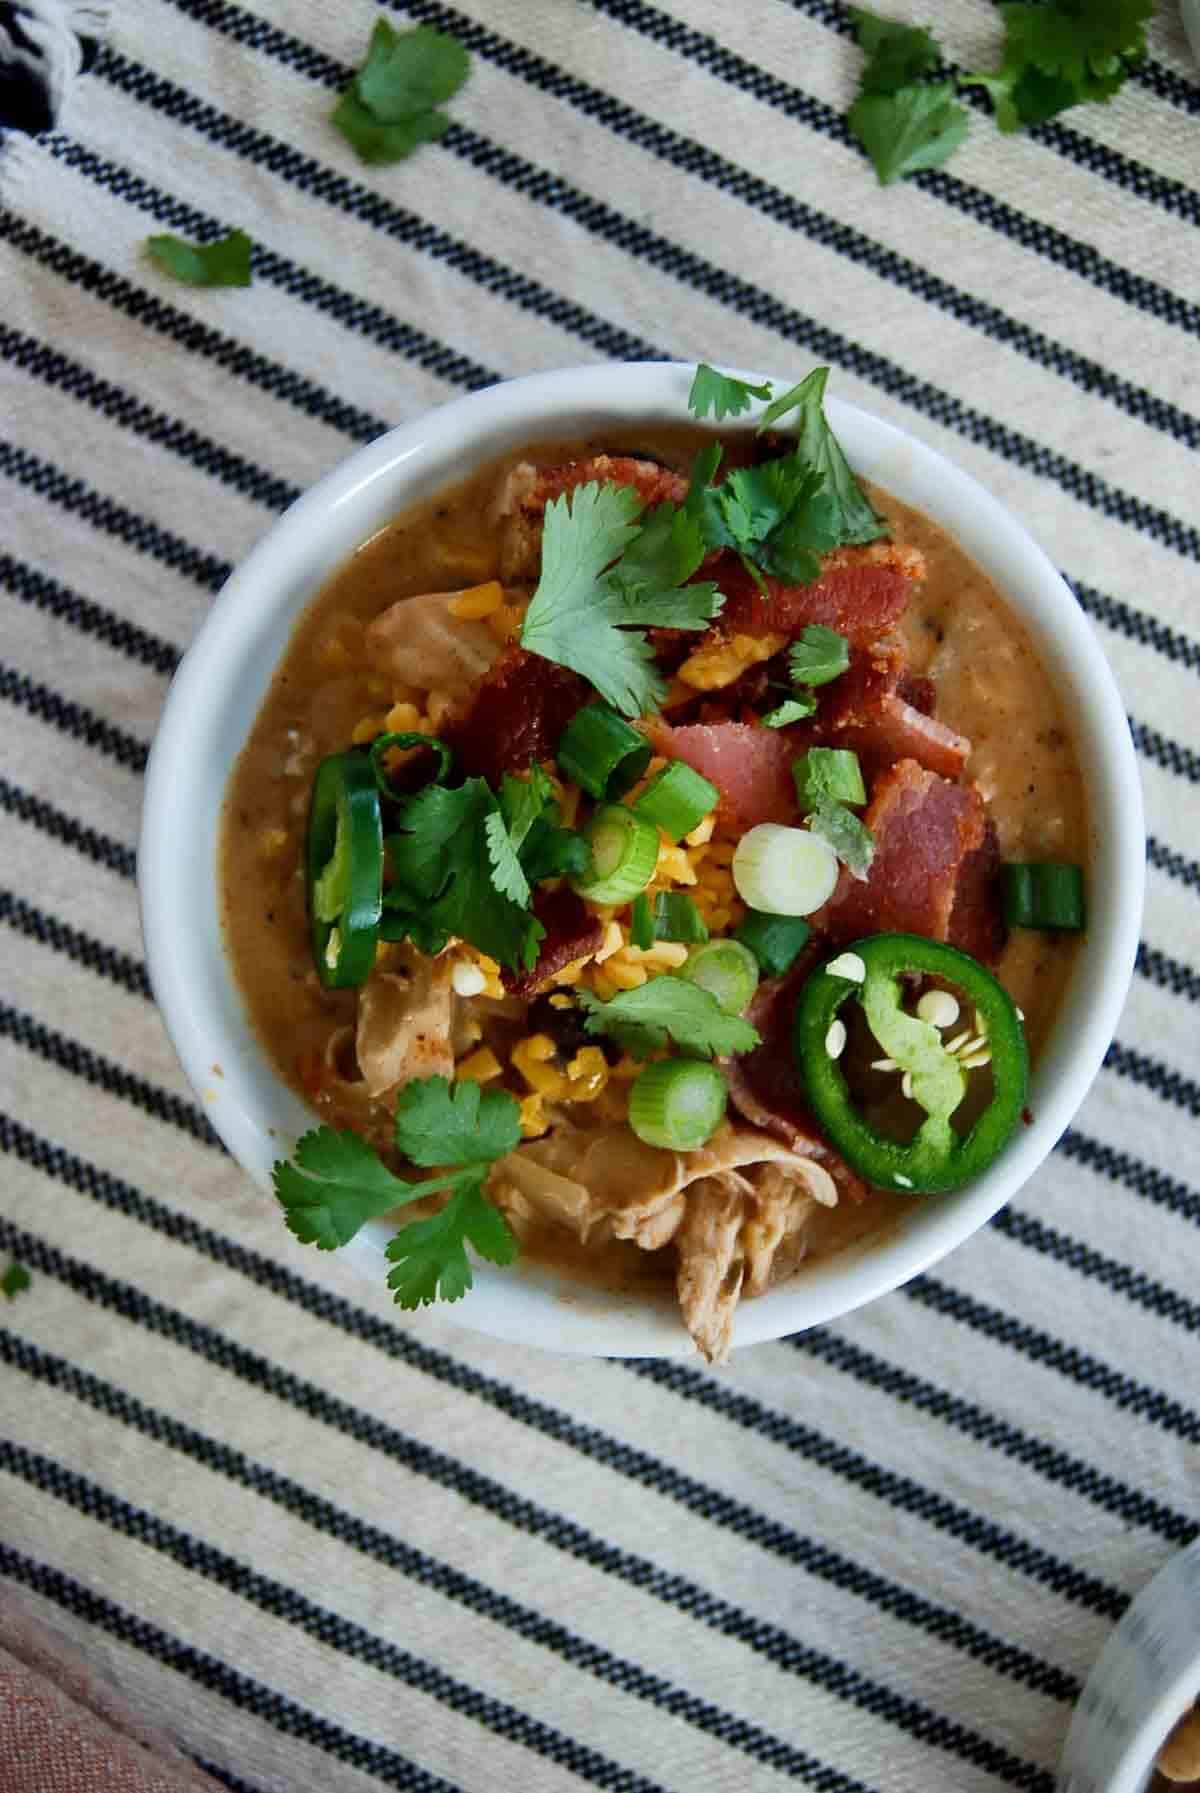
(419, 641)
(406, 1022)
(736, 1209)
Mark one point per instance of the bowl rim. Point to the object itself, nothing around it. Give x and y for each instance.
(254, 1112)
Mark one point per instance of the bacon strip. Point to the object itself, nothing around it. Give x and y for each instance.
(527, 490)
(750, 765)
(517, 714)
(924, 828)
(977, 919)
(861, 592)
(572, 932)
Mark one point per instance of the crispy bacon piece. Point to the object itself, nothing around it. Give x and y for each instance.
(977, 918)
(867, 710)
(764, 1085)
(527, 490)
(517, 713)
(750, 765)
(925, 829)
(572, 931)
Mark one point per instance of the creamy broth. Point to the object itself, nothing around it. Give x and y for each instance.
(990, 687)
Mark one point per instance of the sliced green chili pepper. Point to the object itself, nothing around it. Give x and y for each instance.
(384, 743)
(870, 971)
(343, 859)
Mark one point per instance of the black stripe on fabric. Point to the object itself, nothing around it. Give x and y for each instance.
(83, 949)
(1151, 1073)
(1168, 973)
(1174, 865)
(77, 498)
(233, 1781)
(1132, 1506)
(73, 719)
(637, 240)
(1122, 1279)
(207, 1671)
(899, 1492)
(1131, 1173)
(696, 159)
(1077, 256)
(785, 1651)
(332, 1630)
(53, 368)
(41, 592)
(1171, 755)
(1050, 1353)
(68, 831)
(428, 1571)
(187, 333)
(1137, 625)
(104, 1073)
(1165, 84)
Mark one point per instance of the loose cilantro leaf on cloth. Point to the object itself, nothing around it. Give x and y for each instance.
(665, 1007)
(390, 108)
(223, 263)
(590, 615)
(337, 1183)
(850, 839)
(818, 448)
(918, 127)
(721, 394)
(15, 1281)
(1063, 54)
(897, 54)
(438, 1122)
(443, 873)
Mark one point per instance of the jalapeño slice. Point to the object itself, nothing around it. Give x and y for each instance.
(870, 972)
(343, 859)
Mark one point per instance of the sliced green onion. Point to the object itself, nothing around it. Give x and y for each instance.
(601, 753)
(784, 871)
(676, 917)
(641, 923)
(1043, 894)
(677, 800)
(850, 839)
(775, 940)
(820, 655)
(677, 1103)
(384, 743)
(727, 970)
(624, 853)
(830, 774)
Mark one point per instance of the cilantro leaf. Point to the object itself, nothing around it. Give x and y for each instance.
(442, 1123)
(818, 448)
(334, 1185)
(904, 132)
(389, 109)
(666, 551)
(583, 615)
(663, 1007)
(507, 873)
(443, 872)
(819, 656)
(552, 852)
(223, 263)
(430, 1258)
(850, 839)
(1063, 54)
(523, 801)
(721, 394)
(792, 709)
(896, 54)
(15, 1281)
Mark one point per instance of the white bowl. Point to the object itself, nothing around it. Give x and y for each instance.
(224, 677)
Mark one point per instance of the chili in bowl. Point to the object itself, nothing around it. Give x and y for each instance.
(643, 869)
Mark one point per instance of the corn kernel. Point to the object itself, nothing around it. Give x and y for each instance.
(478, 1067)
(723, 661)
(721, 852)
(625, 976)
(614, 940)
(533, 1117)
(530, 1057)
(477, 601)
(367, 729)
(673, 863)
(665, 955)
(506, 622)
(702, 833)
(588, 1074)
(402, 719)
(625, 1069)
(541, 1048)
(603, 985)
(571, 974)
(561, 1002)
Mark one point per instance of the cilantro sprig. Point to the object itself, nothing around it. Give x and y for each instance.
(721, 395)
(336, 1182)
(15, 1281)
(391, 106)
(665, 1008)
(604, 581)
(223, 263)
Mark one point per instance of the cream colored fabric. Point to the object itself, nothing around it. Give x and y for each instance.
(326, 1546)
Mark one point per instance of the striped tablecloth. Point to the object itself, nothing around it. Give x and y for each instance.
(329, 1546)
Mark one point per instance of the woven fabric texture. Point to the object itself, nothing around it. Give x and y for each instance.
(325, 1545)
